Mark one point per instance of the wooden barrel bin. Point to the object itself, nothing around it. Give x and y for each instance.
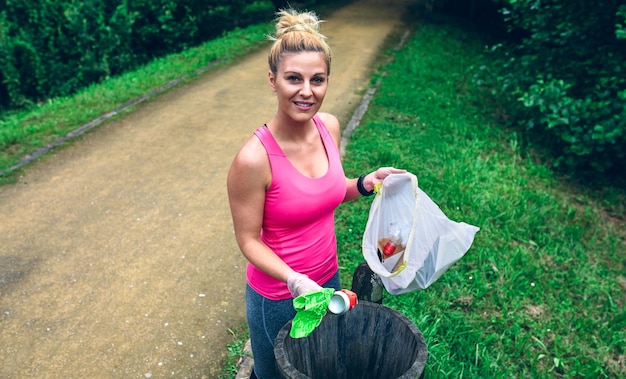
(370, 341)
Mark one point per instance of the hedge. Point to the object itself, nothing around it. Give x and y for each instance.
(568, 74)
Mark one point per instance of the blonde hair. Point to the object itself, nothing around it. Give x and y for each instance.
(295, 33)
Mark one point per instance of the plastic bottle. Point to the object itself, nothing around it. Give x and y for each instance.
(394, 240)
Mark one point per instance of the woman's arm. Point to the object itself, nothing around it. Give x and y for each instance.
(371, 179)
(248, 178)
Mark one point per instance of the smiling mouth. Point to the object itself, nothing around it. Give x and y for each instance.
(303, 105)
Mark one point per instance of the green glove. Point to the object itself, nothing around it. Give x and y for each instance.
(310, 309)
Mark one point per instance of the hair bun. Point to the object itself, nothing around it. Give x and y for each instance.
(292, 21)
(296, 33)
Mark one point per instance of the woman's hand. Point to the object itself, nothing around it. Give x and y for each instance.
(376, 177)
(299, 284)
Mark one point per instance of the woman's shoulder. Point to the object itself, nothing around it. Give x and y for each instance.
(332, 124)
(252, 155)
(328, 119)
(250, 168)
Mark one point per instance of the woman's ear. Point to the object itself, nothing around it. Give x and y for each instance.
(272, 79)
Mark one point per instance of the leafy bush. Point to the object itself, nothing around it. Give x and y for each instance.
(568, 73)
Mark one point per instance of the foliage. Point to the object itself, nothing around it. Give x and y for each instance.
(620, 27)
(53, 48)
(540, 293)
(567, 71)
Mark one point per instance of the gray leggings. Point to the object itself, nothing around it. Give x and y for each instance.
(265, 319)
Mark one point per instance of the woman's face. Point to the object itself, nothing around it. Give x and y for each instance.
(300, 85)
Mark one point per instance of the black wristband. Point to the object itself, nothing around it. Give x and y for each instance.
(361, 188)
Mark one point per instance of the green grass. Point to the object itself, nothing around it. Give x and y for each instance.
(541, 292)
(235, 352)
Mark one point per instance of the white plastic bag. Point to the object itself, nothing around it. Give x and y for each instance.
(421, 241)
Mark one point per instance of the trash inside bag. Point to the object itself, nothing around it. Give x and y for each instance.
(408, 241)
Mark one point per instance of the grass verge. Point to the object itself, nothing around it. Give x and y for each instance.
(541, 293)
(236, 351)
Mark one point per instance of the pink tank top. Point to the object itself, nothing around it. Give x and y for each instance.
(299, 218)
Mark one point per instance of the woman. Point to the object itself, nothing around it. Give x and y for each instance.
(284, 185)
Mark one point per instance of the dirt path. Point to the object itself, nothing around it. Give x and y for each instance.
(117, 256)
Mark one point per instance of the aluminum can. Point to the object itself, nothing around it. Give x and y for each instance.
(342, 301)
